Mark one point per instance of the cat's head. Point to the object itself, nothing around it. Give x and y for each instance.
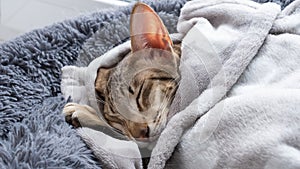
(136, 94)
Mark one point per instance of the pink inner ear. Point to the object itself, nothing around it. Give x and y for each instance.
(150, 41)
(147, 30)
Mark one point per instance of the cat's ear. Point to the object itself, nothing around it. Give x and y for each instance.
(147, 30)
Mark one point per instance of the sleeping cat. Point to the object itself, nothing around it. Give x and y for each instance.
(134, 96)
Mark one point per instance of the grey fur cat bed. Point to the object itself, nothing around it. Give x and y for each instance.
(32, 129)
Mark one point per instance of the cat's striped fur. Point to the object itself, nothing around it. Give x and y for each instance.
(135, 95)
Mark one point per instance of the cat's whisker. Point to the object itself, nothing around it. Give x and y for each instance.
(162, 107)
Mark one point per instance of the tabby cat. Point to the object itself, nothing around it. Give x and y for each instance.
(134, 96)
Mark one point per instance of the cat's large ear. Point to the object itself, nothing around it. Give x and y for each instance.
(147, 30)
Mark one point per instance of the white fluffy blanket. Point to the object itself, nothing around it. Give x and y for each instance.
(237, 105)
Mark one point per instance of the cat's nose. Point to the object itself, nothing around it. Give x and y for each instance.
(141, 131)
(144, 133)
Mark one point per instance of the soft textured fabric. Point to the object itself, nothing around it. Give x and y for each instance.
(257, 124)
(282, 3)
(211, 128)
(111, 152)
(32, 128)
(30, 99)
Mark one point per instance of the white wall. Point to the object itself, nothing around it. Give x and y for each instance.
(19, 16)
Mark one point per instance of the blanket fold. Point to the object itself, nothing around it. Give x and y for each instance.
(252, 35)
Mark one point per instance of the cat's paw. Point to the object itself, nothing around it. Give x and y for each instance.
(70, 112)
